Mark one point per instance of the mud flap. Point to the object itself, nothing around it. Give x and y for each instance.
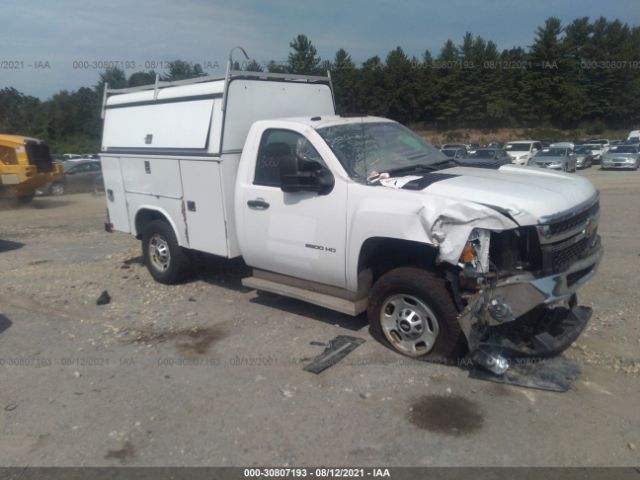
(554, 374)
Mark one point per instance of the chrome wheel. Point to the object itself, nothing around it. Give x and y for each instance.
(159, 252)
(409, 324)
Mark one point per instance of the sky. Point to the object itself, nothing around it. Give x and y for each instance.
(46, 46)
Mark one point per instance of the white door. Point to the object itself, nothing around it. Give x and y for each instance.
(114, 191)
(301, 234)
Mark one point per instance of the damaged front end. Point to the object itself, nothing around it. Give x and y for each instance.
(518, 287)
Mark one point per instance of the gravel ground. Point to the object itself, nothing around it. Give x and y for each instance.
(209, 373)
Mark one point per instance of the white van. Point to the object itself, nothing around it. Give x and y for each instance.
(634, 135)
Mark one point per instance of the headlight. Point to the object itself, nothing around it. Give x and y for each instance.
(475, 254)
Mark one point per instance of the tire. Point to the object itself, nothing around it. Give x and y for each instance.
(23, 200)
(165, 259)
(56, 189)
(422, 317)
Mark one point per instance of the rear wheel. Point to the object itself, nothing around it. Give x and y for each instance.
(411, 310)
(165, 259)
(56, 189)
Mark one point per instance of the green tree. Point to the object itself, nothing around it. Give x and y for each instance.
(182, 70)
(303, 58)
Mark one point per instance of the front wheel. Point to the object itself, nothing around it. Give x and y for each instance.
(165, 259)
(411, 310)
(23, 200)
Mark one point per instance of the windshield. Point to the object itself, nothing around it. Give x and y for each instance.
(518, 147)
(449, 152)
(552, 152)
(625, 149)
(367, 147)
(485, 154)
(583, 150)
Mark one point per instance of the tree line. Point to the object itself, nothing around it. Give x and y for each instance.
(583, 74)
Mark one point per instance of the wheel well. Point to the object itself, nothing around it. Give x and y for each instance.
(146, 216)
(380, 255)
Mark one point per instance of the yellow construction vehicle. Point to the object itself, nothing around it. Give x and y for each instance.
(25, 165)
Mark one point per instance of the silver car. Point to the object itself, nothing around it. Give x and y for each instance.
(622, 156)
(584, 156)
(554, 158)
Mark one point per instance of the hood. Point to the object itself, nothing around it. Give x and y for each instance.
(620, 155)
(517, 154)
(528, 194)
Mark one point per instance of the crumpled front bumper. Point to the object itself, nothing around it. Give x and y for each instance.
(523, 315)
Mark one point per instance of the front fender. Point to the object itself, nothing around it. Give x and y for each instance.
(437, 221)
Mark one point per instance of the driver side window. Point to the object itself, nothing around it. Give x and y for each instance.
(278, 144)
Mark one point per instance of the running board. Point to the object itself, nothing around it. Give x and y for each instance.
(331, 302)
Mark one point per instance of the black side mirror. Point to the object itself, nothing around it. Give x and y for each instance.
(300, 175)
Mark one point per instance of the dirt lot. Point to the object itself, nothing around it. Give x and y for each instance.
(209, 373)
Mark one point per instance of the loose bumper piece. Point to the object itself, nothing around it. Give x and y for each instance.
(524, 316)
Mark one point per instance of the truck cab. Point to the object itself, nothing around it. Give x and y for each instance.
(25, 165)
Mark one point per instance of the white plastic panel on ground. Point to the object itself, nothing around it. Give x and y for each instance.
(205, 218)
(182, 125)
(252, 100)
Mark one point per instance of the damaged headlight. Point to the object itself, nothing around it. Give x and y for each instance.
(475, 254)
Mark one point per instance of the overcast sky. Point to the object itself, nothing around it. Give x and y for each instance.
(49, 41)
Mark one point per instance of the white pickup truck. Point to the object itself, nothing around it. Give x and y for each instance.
(352, 213)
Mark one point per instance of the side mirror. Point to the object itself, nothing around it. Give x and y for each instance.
(300, 175)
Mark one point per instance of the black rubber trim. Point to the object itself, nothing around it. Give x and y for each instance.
(194, 98)
(428, 179)
(174, 152)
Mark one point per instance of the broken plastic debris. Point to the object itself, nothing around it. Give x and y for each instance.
(555, 374)
(338, 348)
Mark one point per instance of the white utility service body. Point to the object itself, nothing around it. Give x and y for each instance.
(175, 150)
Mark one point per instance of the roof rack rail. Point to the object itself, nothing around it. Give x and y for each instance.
(229, 75)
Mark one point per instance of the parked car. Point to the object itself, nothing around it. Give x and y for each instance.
(634, 135)
(584, 156)
(455, 153)
(472, 147)
(78, 176)
(455, 146)
(554, 158)
(603, 142)
(521, 151)
(486, 158)
(622, 156)
(597, 150)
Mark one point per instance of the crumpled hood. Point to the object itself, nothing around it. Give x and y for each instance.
(528, 194)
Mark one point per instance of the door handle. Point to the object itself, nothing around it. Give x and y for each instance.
(258, 204)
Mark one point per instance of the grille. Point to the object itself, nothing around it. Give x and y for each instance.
(38, 155)
(565, 256)
(573, 222)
